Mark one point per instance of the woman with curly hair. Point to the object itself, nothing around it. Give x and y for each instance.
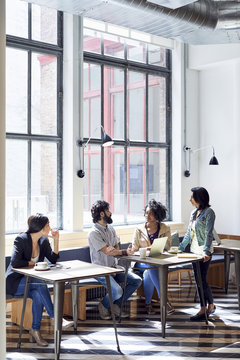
(155, 212)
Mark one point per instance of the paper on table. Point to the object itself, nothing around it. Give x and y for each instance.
(187, 255)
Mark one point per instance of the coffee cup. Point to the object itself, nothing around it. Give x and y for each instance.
(41, 265)
(142, 252)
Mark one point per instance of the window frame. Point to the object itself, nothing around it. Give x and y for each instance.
(148, 69)
(34, 46)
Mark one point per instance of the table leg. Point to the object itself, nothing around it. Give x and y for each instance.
(163, 286)
(237, 272)
(111, 306)
(227, 255)
(201, 295)
(23, 311)
(74, 289)
(58, 315)
(124, 288)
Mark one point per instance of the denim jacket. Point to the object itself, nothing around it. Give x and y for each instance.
(204, 227)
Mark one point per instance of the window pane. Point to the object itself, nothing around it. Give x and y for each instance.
(156, 55)
(136, 106)
(17, 18)
(92, 180)
(113, 46)
(44, 180)
(157, 109)
(44, 24)
(114, 102)
(136, 51)
(136, 183)
(91, 41)
(92, 101)
(44, 94)
(157, 175)
(16, 90)
(16, 185)
(114, 181)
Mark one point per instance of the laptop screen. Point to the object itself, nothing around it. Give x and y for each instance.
(158, 246)
(216, 237)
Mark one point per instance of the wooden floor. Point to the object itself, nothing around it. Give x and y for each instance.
(140, 335)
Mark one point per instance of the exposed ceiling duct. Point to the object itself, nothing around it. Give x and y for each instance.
(201, 22)
(171, 4)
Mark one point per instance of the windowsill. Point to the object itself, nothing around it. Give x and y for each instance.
(79, 238)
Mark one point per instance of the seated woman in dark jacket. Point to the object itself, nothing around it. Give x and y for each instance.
(31, 247)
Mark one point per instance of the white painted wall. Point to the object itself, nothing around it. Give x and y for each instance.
(185, 131)
(219, 125)
(2, 183)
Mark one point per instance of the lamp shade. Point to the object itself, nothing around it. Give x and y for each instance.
(107, 140)
(213, 160)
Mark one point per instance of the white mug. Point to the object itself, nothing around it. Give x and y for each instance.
(142, 252)
(41, 265)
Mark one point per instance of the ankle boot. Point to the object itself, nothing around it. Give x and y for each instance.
(34, 335)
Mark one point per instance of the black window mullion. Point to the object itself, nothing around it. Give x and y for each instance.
(125, 146)
(29, 21)
(29, 178)
(125, 184)
(60, 29)
(146, 108)
(169, 139)
(147, 175)
(102, 124)
(146, 132)
(59, 185)
(60, 134)
(29, 131)
(29, 102)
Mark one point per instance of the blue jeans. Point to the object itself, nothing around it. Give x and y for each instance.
(39, 293)
(208, 298)
(147, 280)
(133, 282)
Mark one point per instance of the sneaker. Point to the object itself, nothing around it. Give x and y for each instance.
(170, 308)
(103, 312)
(149, 309)
(116, 311)
(66, 324)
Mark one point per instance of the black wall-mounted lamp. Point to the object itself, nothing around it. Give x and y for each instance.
(107, 141)
(188, 151)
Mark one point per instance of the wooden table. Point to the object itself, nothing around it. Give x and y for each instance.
(162, 262)
(71, 271)
(229, 246)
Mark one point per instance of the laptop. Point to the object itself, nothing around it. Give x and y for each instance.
(216, 237)
(158, 246)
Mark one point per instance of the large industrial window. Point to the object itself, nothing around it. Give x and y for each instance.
(127, 91)
(33, 114)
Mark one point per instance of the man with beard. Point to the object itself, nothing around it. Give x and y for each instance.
(104, 250)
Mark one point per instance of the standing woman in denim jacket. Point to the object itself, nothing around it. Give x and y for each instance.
(199, 236)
